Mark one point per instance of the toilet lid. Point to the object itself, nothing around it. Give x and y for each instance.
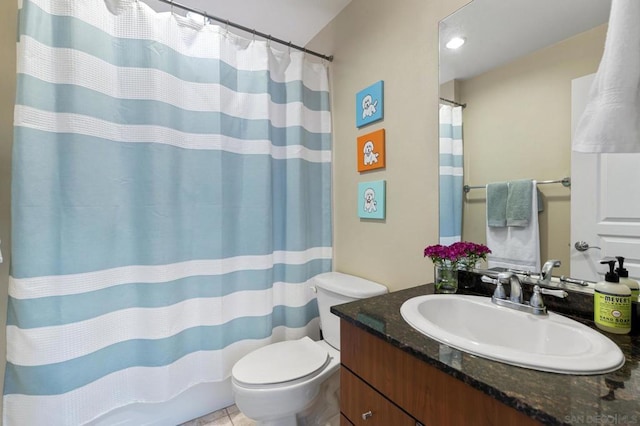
(280, 362)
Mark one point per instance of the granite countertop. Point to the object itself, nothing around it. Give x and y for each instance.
(550, 398)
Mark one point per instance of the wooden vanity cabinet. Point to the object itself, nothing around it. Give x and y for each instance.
(382, 385)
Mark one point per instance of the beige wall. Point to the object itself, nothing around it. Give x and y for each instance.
(8, 29)
(517, 125)
(396, 42)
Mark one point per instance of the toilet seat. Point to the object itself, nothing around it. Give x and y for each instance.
(282, 363)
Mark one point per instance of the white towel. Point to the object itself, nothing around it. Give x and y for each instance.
(516, 247)
(611, 120)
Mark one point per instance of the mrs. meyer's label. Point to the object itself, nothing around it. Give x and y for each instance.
(612, 310)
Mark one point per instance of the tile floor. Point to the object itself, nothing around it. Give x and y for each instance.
(229, 416)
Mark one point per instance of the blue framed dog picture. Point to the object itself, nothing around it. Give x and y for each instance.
(371, 199)
(370, 104)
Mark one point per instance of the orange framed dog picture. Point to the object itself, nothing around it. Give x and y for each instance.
(371, 151)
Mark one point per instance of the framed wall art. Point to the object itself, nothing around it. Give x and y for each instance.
(370, 104)
(371, 152)
(371, 199)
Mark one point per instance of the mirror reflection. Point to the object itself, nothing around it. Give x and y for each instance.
(513, 75)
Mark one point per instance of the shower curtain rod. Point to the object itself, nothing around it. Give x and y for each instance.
(247, 29)
(454, 102)
(564, 181)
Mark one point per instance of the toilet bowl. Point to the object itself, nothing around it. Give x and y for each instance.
(276, 383)
(265, 397)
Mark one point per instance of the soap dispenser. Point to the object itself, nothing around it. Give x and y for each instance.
(624, 279)
(612, 303)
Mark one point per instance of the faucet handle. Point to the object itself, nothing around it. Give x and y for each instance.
(569, 280)
(499, 293)
(520, 272)
(536, 298)
(487, 279)
(556, 293)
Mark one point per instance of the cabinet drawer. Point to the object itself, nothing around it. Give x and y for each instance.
(362, 405)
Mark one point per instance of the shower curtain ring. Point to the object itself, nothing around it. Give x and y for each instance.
(254, 34)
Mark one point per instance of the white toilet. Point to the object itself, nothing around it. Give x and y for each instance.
(279, 382)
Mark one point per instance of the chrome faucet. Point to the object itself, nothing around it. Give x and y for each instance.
(516, 300)
(515, 294)
(547, 269)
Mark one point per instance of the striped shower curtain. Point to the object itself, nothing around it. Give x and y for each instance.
(451, 174)
(171, 202)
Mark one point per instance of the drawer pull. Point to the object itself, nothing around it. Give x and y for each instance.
(366, 415)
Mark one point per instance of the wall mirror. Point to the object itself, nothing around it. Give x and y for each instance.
(513, 74)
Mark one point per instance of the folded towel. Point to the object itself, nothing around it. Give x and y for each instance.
(519, 202)
(497, 204)
(516, 247)
(609, 122)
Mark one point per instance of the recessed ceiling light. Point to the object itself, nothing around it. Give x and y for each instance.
(455, 43)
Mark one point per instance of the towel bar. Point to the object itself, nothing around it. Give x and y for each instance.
(566, 182)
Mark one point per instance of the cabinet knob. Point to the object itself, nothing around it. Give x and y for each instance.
(366, 415)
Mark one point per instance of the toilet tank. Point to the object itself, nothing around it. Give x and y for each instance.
(336, 288)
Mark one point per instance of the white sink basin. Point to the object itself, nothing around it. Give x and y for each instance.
(541, 342)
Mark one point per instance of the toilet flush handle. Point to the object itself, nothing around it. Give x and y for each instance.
(313, 288)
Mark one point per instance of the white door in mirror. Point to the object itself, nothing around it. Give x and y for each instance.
(605, 202)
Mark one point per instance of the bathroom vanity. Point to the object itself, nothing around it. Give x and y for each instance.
(393, 375)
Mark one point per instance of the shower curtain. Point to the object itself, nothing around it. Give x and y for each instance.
(171, 202)
(451, 174)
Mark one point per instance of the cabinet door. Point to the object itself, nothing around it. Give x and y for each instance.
(428, 394)
(344, 421)
(363, 405)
